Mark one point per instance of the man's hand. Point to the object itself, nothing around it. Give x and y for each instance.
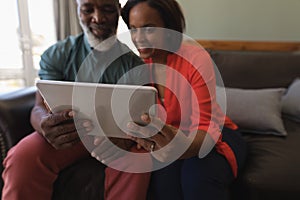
(60, 131)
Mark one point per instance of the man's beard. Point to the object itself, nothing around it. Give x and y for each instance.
(99, 44)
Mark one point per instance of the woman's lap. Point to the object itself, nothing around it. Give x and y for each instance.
(194, 178)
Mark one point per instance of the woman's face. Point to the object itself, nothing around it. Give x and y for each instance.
(145, 23)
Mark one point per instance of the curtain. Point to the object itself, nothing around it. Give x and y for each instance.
(66, 19)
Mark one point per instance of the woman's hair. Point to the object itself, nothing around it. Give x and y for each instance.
(169, 11)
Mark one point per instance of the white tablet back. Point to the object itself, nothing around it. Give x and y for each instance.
(110, 107)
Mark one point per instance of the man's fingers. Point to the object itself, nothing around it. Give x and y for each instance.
(67, 138)
(65, 141)
(83, 126)
(61, 129)
(58, 118)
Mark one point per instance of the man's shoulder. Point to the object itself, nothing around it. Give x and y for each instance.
(64, 48)
(70, 42)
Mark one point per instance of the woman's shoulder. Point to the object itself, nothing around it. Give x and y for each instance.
(198, 59)
(192, 49)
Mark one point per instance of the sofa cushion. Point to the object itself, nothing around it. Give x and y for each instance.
(290, 101)
(255, 110)
(15, 108)
(82, 180)
(272, 167)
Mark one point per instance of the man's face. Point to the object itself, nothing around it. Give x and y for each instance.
(99, 17)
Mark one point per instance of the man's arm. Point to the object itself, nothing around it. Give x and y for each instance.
(38, 112)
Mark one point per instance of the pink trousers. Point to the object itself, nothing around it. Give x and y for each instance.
(32, 166)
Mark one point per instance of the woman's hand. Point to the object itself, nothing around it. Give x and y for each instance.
(110, 149)
(165, 142)
(60, 131)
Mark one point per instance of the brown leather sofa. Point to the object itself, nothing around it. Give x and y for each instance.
(272, 170)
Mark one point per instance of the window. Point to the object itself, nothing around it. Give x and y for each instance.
(123, 32)
(122, 26)
(29, 30)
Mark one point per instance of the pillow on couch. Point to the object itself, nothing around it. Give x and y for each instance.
(290, 101)
(255, 110)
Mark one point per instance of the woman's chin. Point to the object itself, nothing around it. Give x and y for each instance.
(146, 53)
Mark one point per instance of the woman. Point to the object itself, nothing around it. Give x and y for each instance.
(184, 77)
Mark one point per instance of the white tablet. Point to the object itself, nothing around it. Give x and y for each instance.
(109, 106)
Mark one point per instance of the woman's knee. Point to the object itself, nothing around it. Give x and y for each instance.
(238, 145)
(207, 178)
(166, 183)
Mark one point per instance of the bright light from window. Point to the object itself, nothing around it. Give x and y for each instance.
(10, 53)
(42, 27)
(16, 66)
(122, 26)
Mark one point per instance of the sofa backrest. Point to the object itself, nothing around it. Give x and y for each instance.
(15, 109)
(249, 69)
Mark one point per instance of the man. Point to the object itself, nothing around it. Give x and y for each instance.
(32, 166)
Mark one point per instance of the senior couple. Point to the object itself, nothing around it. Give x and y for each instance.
(188, 113)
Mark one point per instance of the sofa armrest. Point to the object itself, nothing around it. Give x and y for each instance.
(15, 108)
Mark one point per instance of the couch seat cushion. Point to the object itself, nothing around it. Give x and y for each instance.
(273, 164)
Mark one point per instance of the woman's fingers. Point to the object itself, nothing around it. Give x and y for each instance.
(168, 131)
(156, 131)
(149, 145)
(106, 151)
(141, 131)
(99, 140)
(153, 121)
(110, 155)
(153, 127)
(103, 146)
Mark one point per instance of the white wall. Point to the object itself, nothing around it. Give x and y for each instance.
(268, 20)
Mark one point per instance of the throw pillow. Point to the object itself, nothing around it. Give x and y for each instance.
(255, 110)
(291, 101)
